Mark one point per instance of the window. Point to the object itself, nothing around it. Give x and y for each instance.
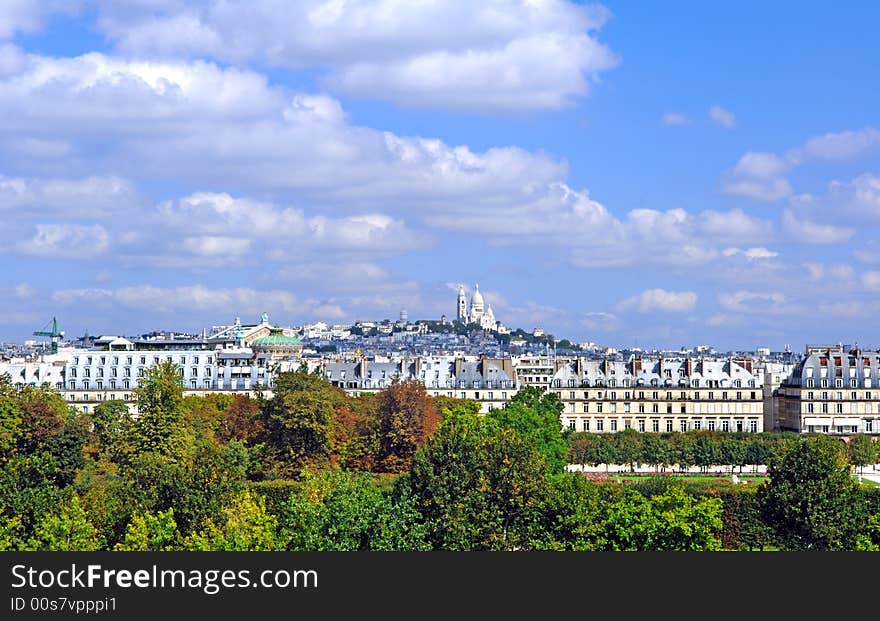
(193, 384)
(682, 408)
(463, 395)
(683, 426)
(825, 409)
(642, 425)
(626, 407)
(839, 395)
(838, 383)
(838, 408)
(711, 395)
(655, 426)
(571, 424)
(614, 425)
(810, 395)
(600, 425)
(626, 424)
(641, 408)
(869, 426)
(586, 408)
(809, 408)
(654, 408)
(739, 396)
(725, 425)
(586, 425)
(669, 425)
(571, 395)
(598, 407)
(711, 425)
(753, 426)
(697, 424)
(853, 396)
(697, 395)
(824, 428)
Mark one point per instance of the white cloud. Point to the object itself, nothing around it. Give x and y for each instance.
(67, 241)
(90, 197)
(835, 272)
(843, 145)
(24, 290)
(724, 118)
(759, 175)
(217, 246)
(600, 321)
(675, 118)
(871, 281)
(500, 54)
(752, 254)
(809, 232)
(30, 15)
(196, 298)
(750, 302)
(660, 300)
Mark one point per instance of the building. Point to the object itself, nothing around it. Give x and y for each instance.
(833, 390)
(660, 395)
(478, 312)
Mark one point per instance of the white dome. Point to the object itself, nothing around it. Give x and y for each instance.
(477, 300)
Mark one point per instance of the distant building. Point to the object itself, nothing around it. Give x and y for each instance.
(478, 313)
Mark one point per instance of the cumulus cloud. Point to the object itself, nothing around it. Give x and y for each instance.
(505, 54)
(808, 232)
(751, 254)
(90, 197)
(843, 145)
(659, 300)
(28, 16)
(722, 117)
(755, 302)
(759, 175)
(66, 241)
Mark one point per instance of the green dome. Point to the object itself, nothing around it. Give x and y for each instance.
(275, 339)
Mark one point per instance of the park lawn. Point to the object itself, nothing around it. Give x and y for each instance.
(635, 477)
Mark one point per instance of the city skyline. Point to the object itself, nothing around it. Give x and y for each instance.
(627, 175)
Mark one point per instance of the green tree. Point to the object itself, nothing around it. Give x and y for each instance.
(861, 451)
(10, 417)
(757, 453)
(656, 451)
(66, 529)
(629, 447)
(569, 515)
(346, 511)
(811, 500)
(150, 532)
(159, 423)
(110, 421)
(300, 420)
(478, 484)
(244, 526)
(733, 452)
(534, 414)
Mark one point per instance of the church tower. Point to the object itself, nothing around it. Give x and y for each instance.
(462, 305)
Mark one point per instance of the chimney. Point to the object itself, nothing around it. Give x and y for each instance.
(579, 366)
(636, 364)
(688, 366)
(362, 367)
(456, 368)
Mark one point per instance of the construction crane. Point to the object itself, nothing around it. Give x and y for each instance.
(55, 334)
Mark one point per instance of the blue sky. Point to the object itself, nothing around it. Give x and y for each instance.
(627, 173)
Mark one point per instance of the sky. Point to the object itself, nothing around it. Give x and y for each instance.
(627, 173)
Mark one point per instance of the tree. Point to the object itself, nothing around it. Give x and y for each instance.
(733, 453)
(67, 529)
(569, 515)
(242, 421)
(534, 414)
(811, 500)
(757, 453)
(244, 526)
(478, 484)
(656, 451)
(300, 420)
(346, 511)
(150, 532)
(159, 395)
(861, 451)
(10, 416)
(673, 520)
(110, 420)
(629, 447)
(406, 417)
